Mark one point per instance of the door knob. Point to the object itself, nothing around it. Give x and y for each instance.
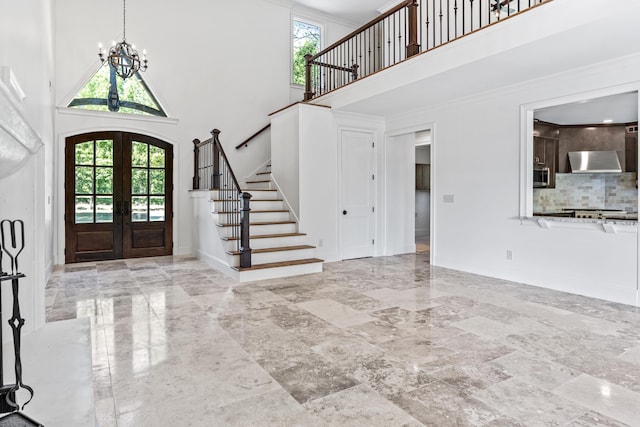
(344, 212)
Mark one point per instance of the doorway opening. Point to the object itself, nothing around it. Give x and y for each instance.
(423, 191)
(118, 196)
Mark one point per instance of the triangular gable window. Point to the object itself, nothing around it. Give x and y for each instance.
(131, 96)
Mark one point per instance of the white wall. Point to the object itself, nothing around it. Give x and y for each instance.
(285, 159)
(400, 173)
(26, 47)
(208, 65)
(479, 165)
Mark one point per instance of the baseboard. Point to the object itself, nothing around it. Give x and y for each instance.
(218, 264)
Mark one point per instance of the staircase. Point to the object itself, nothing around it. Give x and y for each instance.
(278, 249)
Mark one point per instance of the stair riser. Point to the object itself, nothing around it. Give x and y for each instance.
(272, 273)
(257, 186)
(255, 194)
(263, 229)
(268, 257)
(255, 216)
(272, 242)
(254, 206)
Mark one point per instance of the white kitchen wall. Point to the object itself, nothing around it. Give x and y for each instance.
(26, 47)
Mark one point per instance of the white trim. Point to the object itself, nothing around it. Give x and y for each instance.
(112, 115)
(526, 134)
(286, 201)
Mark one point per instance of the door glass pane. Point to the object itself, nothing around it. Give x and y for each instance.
(84, 153)
(104, 181)
(156, 208)
(156, 157)
(84, 209)
(139, 154)
(139, 207)
(156, 181)
(84, 180)
(139, 181)
(104, 209)
(104, 153)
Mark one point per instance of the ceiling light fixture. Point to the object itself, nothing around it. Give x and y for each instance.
(123, 57)
(607, 121)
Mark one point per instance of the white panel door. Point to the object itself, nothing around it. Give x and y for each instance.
(357, 195)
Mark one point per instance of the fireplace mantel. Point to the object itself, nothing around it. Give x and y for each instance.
(18, 140)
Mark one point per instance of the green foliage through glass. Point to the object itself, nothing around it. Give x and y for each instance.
(306, 40)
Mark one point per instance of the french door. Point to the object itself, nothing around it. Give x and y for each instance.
(118, 196)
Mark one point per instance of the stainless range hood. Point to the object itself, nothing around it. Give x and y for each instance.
(594, 162)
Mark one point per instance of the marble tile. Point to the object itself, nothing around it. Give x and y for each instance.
(335, 313)
(359, 406)
(604, 397)
(313, 379)
(379, 341)
(409, 299)
(440, 404)
(471, 378)
(539, 372)
(632, 355)
(528, 404)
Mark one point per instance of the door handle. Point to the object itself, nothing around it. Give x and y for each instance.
(344, 212)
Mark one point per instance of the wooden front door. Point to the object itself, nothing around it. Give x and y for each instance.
(118, 196)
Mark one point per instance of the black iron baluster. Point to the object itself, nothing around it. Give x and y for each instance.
(455, 18)
(471, 15)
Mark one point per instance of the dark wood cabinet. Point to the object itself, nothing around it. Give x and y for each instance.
(423, 177)
(545, 154)
(631, 152)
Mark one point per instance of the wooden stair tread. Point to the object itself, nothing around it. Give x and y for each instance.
(276, 249)
(266, 236)
(253, 200)
(279, 264)
(257, 189)
(256, 211)
(258, 182)
(263, 173)
(258, 223)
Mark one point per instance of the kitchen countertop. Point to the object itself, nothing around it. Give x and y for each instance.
(559, 217)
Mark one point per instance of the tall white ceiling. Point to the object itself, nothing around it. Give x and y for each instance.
(356, 11)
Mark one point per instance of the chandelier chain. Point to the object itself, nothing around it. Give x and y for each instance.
(124, 20)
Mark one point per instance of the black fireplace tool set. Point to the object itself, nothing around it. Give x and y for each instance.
(11, 246)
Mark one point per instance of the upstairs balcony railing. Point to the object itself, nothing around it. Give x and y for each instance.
(410, 28)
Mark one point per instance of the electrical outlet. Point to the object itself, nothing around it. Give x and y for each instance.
(509, 254)
(447, 198)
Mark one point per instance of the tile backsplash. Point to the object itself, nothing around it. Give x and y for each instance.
(593, 191)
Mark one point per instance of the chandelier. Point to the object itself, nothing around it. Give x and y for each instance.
(123, 57)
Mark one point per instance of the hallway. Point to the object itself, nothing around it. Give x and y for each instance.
(385, 341)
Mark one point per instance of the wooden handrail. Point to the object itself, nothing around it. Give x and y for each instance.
(368, 25)
(246, 141)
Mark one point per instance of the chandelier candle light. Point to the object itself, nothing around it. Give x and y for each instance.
(123, 57)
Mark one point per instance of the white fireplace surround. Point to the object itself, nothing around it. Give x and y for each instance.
(17, 138)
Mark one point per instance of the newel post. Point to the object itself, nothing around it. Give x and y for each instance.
(215, 173)
(245, 250)
(413, 47)
(196, 157)
(307, 77)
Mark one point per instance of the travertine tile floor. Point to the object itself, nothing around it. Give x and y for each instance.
(372, 342)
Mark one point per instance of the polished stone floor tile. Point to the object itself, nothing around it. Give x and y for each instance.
(604, 397)
(359, 406)
(388, 341)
